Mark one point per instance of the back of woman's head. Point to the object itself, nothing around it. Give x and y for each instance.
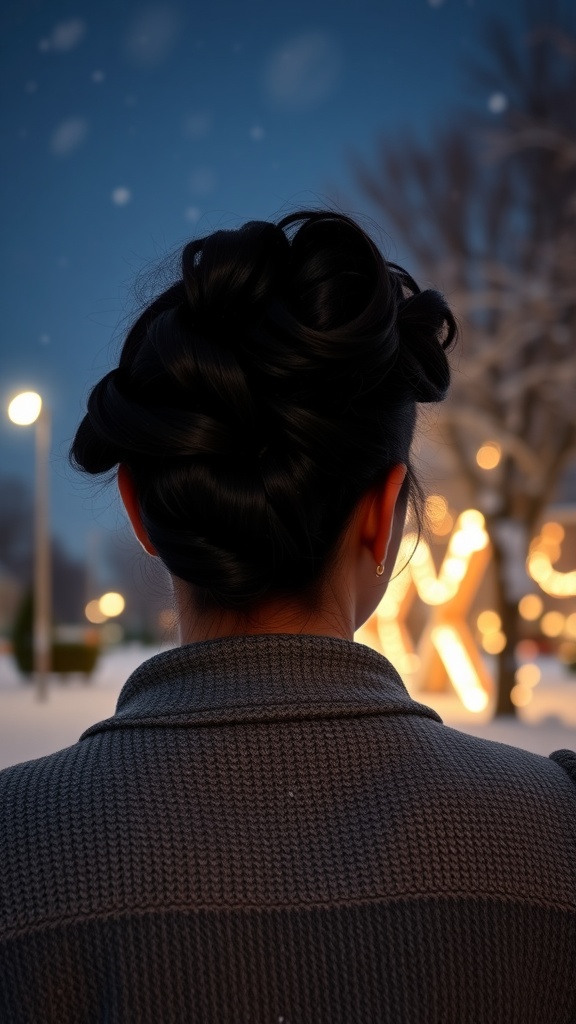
(262, 395)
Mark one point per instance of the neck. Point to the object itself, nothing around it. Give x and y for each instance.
(329, 619)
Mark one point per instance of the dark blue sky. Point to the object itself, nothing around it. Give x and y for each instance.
(127, 127)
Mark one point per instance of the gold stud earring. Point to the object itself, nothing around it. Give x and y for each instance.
(380, 569)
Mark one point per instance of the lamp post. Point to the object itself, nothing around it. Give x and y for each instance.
(24, 410)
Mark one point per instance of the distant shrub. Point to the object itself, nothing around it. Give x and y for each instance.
(66, 657)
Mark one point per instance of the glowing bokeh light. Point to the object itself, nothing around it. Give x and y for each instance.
(459, 666)
(528, 674)
(552, 624)
(111, 604)
(94, 613)
(553, 533)
(521, 695)
(544, 550)
(493, 643)
(530, 607)
(570, 627)
(489, 455)
(488, 621)
(25, 408)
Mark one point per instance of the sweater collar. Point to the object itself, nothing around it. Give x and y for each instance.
(261, 678)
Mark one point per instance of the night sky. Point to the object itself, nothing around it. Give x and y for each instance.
(128, 128)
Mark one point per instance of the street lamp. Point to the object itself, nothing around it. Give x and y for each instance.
(24, 410)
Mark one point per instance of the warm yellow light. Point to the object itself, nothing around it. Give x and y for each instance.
(539, 567)
(521, 695)
(437, 511)
(25, 408)
(530, 607)
(544, 550)
(553, 533)
(552, 623)
(489, 455)
(408, 664)
(460, 668)
(550, 548)
(472, 517)
(570, 627)
(93, 613)
(528, 675)
(455, 568)
(435, 592)
(493, 643)
(111, 604)
(444, 527)
(489, 621)
(567, 653)
(467, 540)
(421, 555)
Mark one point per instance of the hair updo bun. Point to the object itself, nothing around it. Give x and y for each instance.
(261, 396)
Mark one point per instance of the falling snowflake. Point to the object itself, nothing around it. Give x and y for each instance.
(65, 36)
(435, 3)
(197, 125)
(152, 36)
(202, 181)
(192, 214)
(68, 136)
(98, 76)
(44, 339)
(497, 103)
(304, 72)
(257, 132)
(30, 87)
(121, 195)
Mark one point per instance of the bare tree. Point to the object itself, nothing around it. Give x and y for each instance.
(491, 215)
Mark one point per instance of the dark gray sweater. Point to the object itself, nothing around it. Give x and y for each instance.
(271, 831)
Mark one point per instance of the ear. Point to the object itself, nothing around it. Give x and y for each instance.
(378, 531)
(130, 501)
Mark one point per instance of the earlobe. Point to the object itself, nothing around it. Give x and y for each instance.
(380, 525)
(130, 502)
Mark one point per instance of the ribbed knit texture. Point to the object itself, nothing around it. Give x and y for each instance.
(270, 829)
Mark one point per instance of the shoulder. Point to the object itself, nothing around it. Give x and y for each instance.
(30, 782)
(567, 761)
(499, 768)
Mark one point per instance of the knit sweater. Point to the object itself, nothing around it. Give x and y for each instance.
(269, 830)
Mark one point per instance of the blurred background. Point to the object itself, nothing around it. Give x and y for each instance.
(448, 127)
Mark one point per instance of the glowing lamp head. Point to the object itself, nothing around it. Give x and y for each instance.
(25, 408)
(111, 604)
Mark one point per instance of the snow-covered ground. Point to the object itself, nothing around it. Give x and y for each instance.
(30, 728)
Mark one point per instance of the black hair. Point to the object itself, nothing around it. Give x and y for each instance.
(262, 395)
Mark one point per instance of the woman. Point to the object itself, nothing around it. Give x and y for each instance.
(270, 829)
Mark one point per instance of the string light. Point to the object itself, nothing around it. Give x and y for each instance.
(94, 613)
(528, 674)
(521, 695)
(111, 604)
(570, 627)
(544, 551)
(489, 621)
(489, 455)
(494, 643)
(530, 607)
(460, 668)
(552, 623)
